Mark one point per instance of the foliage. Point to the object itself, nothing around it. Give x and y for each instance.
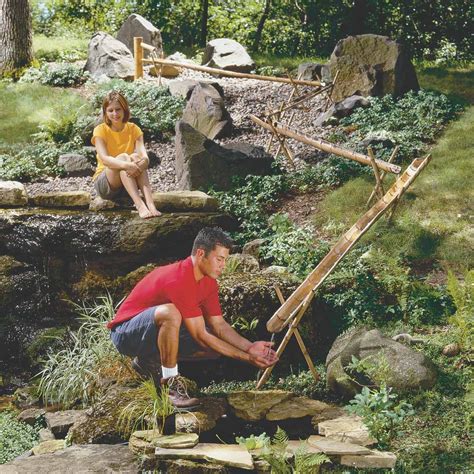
(15, 437)
(376, 368)
(253, 442)
(409, 122)
(310, 25)
(246, 327)
(379, 412)
(59, 75)
(148, 410)
(463, 318)
(281, 462)
(73, 374)
(31, 161)
(153, 107)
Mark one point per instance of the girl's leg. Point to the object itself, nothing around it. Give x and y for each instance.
(144, 184)
(131, 186)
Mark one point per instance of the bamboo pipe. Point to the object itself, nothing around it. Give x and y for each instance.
(326, 146)
(243, 75)
(138, 53)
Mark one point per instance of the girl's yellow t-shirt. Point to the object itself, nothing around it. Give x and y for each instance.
(116, 142)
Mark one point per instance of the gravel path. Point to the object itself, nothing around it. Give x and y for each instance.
(242, 98)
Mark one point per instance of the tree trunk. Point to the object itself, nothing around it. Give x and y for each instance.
(261, 24)
(16, 43)
(204, 18)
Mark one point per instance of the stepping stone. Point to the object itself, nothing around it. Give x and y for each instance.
(376, 459)
(146, 441)
(178, 441)
(347, 429)
(66, 199)
(12, 193)
(231, 455)
(333, 447)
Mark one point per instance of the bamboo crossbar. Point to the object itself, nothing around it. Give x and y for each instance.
(243, 75)
(326, 146)
(343, 245)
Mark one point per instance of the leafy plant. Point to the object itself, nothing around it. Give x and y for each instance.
(232, 265)
(253, 442)
(148, 410)
(60, 75)
(282, 462)
(376, 368)
(463, 318)
(246, 326)
(15, 437)
(73, 374)
(380, 412)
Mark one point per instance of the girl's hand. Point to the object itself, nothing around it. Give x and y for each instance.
(132, 169)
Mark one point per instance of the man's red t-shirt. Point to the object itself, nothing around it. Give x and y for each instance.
(174, 283)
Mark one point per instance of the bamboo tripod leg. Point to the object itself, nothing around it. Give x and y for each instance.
(291, 330)
(378, 181)
(383, 174)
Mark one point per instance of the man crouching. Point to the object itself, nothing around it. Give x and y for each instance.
(175, 310)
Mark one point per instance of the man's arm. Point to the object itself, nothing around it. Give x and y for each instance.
(223, 330)
(198, 331)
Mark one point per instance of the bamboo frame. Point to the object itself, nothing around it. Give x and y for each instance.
(383, 173)
(344, 244)
(326, 146)
(138, 57)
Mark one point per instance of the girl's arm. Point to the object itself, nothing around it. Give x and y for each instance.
(140, 156)
(110, 161)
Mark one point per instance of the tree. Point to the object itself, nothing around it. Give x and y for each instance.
(204, 18)
(261, 24)
(16, 43)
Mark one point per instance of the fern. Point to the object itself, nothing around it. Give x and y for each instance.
(308, 463)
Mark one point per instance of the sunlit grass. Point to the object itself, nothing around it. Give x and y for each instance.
(56, 43)
(435, 216)
(27, 106)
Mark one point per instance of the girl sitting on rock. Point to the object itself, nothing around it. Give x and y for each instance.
(122, 160)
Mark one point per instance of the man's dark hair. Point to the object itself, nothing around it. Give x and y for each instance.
(209, 237)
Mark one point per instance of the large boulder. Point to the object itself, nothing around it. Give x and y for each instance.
(227, 54)
(371, 65)
(110, 57)
(75, 164)
(136, 25)
(406, 368)
(201, 162)
(342, 109)
(206, 113)
(185, 87)
(12, 194)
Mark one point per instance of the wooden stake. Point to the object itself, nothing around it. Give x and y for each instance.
(138, 53)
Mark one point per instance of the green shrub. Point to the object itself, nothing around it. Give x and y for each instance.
(411, 122)
(15, 437)
(294, 247)
(60, 75)
(380, 413)
(153, 107)
(31, 161)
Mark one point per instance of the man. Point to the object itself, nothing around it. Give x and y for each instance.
(177, 307)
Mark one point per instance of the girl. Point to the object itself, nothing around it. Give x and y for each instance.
(122, 160)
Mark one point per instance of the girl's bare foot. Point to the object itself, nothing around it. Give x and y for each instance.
(143, 212)
(154, 211)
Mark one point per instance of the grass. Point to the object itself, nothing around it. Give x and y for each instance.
(434, 218)
(54, 44)
(27, 106)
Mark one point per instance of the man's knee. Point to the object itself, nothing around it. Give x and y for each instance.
(169, 314)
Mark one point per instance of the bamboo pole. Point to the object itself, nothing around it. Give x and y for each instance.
(314, 280)
(242, 75)
(382, 175)
(138, 57)
(378, 182)
(326, 146)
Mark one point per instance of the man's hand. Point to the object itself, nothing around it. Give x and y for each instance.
(262, 355)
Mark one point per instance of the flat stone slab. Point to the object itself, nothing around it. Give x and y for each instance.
(12, 194)
(231, 455)
(253, 405)
(59, 422)
(333, 447)
(347, 429)
(50, 446)
(375, 459)
(182, 201)
(146, 441)
(66, 199)
(297, 407)
(90, 458)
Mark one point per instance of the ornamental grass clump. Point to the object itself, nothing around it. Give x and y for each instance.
(73, 374)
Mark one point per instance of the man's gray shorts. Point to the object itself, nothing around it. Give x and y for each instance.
(138, 337)
(103, 189)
